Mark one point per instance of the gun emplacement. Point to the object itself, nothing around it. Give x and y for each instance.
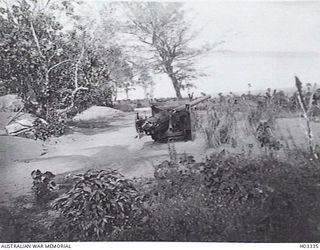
(169, 123)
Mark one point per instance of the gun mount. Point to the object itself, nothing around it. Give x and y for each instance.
(167, 123)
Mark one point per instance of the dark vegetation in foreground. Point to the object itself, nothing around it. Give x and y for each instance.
(225, 198)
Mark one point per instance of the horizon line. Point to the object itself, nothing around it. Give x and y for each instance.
(270, 53)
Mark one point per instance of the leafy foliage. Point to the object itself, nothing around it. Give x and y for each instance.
(231, 198)
(266, 137)
(100, 203)
(52, 67)
(43, 184)
(54, 126)
(263, 196)
(32, 49)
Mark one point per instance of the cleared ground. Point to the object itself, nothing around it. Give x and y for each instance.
(114, 146)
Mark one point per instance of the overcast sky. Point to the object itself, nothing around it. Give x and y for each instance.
(262, 26)
(272, 42)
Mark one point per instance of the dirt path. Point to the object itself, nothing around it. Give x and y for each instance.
(113, 147)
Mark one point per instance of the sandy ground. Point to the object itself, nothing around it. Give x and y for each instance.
(113, 147)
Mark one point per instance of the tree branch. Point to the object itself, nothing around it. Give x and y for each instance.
(58, 64)
(36, 39)
(77, 68)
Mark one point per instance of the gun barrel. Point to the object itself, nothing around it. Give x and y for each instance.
(199, 100)
(193, 103)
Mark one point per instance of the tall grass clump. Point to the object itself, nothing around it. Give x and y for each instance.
(219, 126)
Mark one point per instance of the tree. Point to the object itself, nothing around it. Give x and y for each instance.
(120, 70)
(147, 84)
(58, 67)
(129, 68)
(50, 66)
(142, 76)
(162, 27)
(32, 52)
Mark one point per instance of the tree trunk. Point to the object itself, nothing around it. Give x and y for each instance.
(115, 95)
(176, 87)
(127, 93)
(175, 83)
(307, 115)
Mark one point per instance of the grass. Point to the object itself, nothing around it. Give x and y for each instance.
(239, 124)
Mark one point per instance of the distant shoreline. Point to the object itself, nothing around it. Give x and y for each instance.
(263, 54)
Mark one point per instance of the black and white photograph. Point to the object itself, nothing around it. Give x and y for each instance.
(159, 121)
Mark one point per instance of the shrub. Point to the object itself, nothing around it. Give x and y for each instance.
(101, 203)
(231, 198)
(174, 178)
(176, 205)
(265, 200)
(184, 218)
(43, 184)
(53, 126)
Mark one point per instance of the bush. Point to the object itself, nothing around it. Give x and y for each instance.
(176, 206)
(43, 184)
(172, 200)
(173, 178)
(265, 200)
(184, 218)
(231, 198)
(53, 126)
(101, 204)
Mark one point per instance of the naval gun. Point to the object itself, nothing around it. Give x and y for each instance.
(168, 123)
